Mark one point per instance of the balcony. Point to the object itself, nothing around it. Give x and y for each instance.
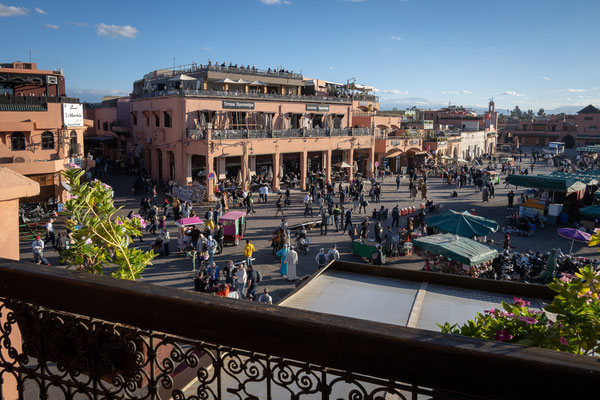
(243, 95)
(34, 167)
(10, 99)
(237, 134)
(152, 342)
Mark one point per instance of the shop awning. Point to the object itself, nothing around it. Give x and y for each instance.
(587, 178)
(342, 164)
(457, 248)
(393, 153)
(591, 211)
(547, 182)
(463, 224)
(589, 149)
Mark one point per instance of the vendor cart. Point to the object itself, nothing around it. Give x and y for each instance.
(234, 226)
(366, 250)
(184, 239)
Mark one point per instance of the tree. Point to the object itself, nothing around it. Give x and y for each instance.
(541, 112)
(101, 240)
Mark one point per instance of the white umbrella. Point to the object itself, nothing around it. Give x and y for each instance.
(181, 77)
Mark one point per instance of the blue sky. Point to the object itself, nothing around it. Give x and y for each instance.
(529, 53)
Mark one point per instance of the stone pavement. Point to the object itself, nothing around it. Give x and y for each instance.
(176, 270)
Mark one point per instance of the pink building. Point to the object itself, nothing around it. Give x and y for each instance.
(109, 137)
(241, 122)
(573, 130)
(41, 129)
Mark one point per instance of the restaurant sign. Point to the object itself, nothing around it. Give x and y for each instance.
(72, 114)
(238, 105)
(317, 107)
(428, 124)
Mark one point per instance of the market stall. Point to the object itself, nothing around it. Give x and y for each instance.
(365, 249)
(456, 255)
(462, 223)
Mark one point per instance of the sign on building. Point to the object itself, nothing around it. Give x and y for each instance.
(317, 107)
(72, 114)
(410, 115)
(428, 124)
(238, 105)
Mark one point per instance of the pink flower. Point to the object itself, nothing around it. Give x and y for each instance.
(119, 222)
(490, 311)
(142, 220)
(503, 336)
(88, 241)
(520, 302)
(506, 314)
(528, 320)
(565, 278)
(563, 341)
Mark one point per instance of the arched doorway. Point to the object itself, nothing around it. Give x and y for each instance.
(455, 152)
(569, 141)
(160, 164)
(171, 166)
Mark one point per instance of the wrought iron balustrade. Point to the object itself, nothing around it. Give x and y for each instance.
(34, 100)
(91, 337)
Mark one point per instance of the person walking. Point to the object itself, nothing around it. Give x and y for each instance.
(240, 279)
(228, 272)
(333, 254)
(424, 192)
(166, 239)
(265, 297)
(378, 229)
(511, 199)
(348, 222)
(213, 272)
(321, 258)
(252, 283)
(38, 249)
(279, 205)
(336, 217)
(396, 216)
(397, 183)
(292, 262)
(377, 256)
(50, 232)
(413, 192)
(324, 221)
(485, 195)
(211, 246)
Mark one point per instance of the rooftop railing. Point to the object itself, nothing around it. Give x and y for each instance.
(243, 95)
(228, 134)
(34, 100)
(150, 342)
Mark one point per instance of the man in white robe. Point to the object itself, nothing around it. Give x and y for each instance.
(292, 261)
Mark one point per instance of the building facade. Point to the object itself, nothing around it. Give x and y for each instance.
(573, 130)
(41, 129)
(109, 136)
(196, 121)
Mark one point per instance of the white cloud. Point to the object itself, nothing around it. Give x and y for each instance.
(207, 48)
(510, 93)
(394, 37)
(391, 91)
(116, 31)
(463, 91)
(40, 11)
(546, 78)
(275, 2)
(51, 26)
(12, 11)
(575, 90)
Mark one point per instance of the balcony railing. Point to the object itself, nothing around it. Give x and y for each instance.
(34, 100)
(228, 134)
(87, 336)
(243, 95)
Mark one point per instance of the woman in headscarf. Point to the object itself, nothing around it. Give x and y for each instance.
(283, 254)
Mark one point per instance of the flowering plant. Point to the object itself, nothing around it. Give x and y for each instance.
(101, 240)
(573, 326)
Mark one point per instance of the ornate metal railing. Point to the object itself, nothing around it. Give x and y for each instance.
(86, 336)
(34, 100)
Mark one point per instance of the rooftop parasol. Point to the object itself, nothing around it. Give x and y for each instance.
(463, 224)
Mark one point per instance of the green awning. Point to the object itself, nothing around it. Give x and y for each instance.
(597, 195)
(547, 182)
(457, 248)
(587, 178)
(463, 224)
(590, 211)
(589, 149)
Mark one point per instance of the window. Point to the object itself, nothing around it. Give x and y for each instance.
(134, 119)
(105, 126)
(74, 146)
(588, 118)
(156, 120)
(167, 119)
(17, 141)
(98, 125)
(553, 128)
(47, 141)
(73, 137)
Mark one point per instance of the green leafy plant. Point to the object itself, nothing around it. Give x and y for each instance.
(572, 326)
(101, 240)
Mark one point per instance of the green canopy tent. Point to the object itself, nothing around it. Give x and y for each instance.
(588, 177)
(457, 248)
(591, 211)
(463, 224)
(589, 149)
(547, 182)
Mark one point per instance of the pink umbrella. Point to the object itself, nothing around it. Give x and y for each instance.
(574, 234)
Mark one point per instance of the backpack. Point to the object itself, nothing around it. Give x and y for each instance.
(322, 259)
(258, 276)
